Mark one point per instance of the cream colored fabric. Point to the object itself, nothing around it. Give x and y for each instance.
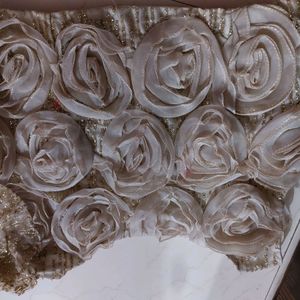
(242, 220)
(211, 146)
(88, 219)
(167, 213)
(90, 79)
(262, 56)
(130, 121)
(176, 65)
(54, 153)
(25, 61)
(137, 155)
(274, 151)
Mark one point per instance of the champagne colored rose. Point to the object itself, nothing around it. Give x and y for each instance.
(167, 213)
(53, 152)
(274, 154)
(242, 220)
(90, 78)
(210, 146)
(137, 155)
(262, 56)
(89, 219)
(25, 74)
(176, 65)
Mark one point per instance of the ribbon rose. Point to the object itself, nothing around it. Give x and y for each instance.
(167, 213)
(25, 74)
(274, 154)
(210, 148)
(175, 66)
(91, 80)
(54, 153)
(262, 56)
(89, 219)
(137, 155)
(242, 220)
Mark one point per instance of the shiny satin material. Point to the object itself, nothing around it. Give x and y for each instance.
(274, 153)
(89, 219)
(53, 152)
(167, 213)
(176, 65)
(137, 155)
(26, 77)
(263, 55)
(90, 79)
(210, 147)
(242, 220)
(121, 122)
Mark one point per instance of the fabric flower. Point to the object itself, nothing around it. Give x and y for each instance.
(137, 155)
(89, 219)
(41, 209)
(175, 66)
(210, 147)
(274, 154)
(242, 220)
(262, 55)
(7, 153)
(54, 153)
(25, 74)
(91, 80)
(167, 213)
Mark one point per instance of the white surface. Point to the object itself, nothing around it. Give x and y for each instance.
(143, 269)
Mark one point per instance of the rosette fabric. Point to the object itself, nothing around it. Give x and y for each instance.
(89, 219)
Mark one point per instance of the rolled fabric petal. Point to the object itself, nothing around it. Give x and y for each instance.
(210, 146)
(40, 207)
(262, 56)
(242, 220)
(167, 213)
(54, 153)
(274, 154)
(90, 78)
(25, 74)
(175, 66)
(89, 219)
(137, 155)
(7, 153)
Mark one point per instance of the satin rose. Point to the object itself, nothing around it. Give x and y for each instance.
(137, 155)
(7, 153)
(89, 219)
(25, 74)
(262, 56)
(41, 209)
(90, 78)
(274, 154)
(210, 146)
(176, 65)
(167, 213)
(54, 153)
(241, 220)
